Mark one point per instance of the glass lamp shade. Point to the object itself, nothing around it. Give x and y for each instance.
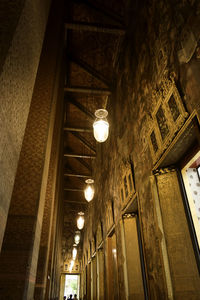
(74, 252)
(101, 125)
(89, 190)
(77, 237)
(80, 220)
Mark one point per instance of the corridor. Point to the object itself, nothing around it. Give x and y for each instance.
(100, 149)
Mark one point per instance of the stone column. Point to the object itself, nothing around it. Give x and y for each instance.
(20, 249)
(23, 24)
(50, 205)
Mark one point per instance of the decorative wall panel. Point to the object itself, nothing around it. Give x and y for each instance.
(168, 117)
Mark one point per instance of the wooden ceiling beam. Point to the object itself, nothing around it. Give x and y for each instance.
(77, 175)
(81, 161)
(103, 10)
(73, 190)
(81, 108)
(87, 90)
(78, 129)
(87, 144)
(86, 165)
(76, 155)
(93, 27)
(76, 202)
(89, 69)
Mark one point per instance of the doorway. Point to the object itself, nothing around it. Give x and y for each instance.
(133, 255)
(72, 284)
(112, 267)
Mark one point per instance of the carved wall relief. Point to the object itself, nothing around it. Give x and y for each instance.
(168, 117)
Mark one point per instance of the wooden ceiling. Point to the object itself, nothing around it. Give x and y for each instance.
(94, 30)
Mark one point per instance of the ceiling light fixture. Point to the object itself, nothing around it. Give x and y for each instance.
(89, 190)
(77, 237)
(74, 252)
(80, 220)
(101, 125)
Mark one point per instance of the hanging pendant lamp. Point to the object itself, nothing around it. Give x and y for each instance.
(77, 237)
(101, 125)
(80, 220)
(89, 190)
(74, 252)
(71, 265)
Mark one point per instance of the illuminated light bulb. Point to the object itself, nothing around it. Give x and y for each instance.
(77, 237)
(89, 190)
(74, 252)
(101, 125)
(71, 265)
(80, 220)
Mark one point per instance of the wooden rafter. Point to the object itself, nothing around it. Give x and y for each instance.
(80, 107)
(76, 155)
(86, 165)
(76, 202)
(80, 160)
(77, 175)
(89, 69)
(87, 144)
(83, 26)
(77, 129)
(100, 8)
(73, 190)
(72, 171)
(87, 90)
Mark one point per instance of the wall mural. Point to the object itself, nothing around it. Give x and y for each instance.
(168, 117)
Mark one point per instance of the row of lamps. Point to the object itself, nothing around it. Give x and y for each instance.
(101, 131)
(77, 237)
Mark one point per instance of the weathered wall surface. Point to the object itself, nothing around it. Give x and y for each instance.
(23, 26)
(24, 223)
(153, 48)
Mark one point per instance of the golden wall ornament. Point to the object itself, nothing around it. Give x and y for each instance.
(168, 117)
(76, 268)
(128, 216)
(127, 186)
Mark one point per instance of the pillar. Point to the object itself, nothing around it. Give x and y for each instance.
(20, 249)
(55, 169)
(23, 24)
